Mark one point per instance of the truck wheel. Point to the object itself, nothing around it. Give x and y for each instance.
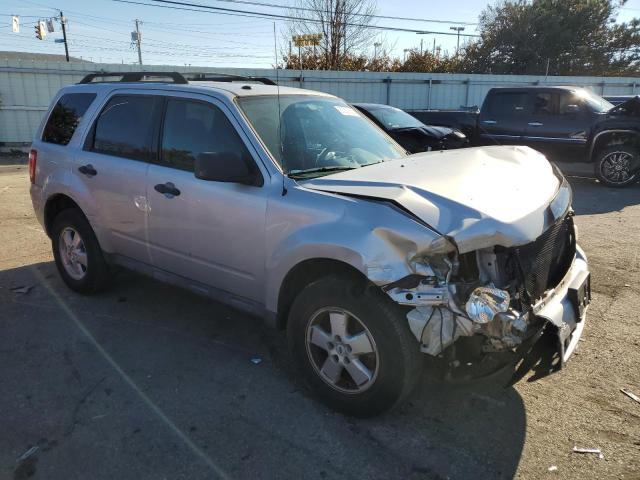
(617, 166)
(77, 253)
(353, 347)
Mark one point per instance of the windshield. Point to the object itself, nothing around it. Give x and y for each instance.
(394, 118)
(595, 102)
(319, 134)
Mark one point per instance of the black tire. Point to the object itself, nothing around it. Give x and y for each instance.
(399, 361)
(605, 168)
(96, 277)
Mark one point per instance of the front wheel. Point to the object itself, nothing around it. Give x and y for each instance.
(353, 347)
(617, 166)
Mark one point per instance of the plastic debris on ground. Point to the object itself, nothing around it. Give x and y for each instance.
(630, 394)
(595, 451)
(256, 360)
(25, 289)
(28, 453)
(552, 468)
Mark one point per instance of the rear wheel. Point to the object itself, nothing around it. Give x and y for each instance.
(353, 346)
(77, 253)
(617, 166)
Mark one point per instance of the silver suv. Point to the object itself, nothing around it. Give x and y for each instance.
(291, 205)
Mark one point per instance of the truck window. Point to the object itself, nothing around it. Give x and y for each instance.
(568, 104)
(542, 104)
(65, 117)
(507, 104)
(193, 127)
(125, 127)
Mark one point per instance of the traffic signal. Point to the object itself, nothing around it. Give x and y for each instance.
(40, 30)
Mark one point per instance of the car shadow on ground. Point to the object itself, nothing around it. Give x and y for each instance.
(147, 381)
(591, 197)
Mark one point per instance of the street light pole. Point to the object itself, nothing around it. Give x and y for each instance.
(375, 49)
(458, 30)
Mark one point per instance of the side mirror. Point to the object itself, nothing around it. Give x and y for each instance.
(225, 167)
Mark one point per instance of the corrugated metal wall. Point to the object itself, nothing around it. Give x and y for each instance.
(26, 88)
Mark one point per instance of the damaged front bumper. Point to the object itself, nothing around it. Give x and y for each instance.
(439, 317)
(565, 306)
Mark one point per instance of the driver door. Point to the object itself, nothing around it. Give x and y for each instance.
(208, 231)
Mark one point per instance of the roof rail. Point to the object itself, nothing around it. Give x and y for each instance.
(225, 77)
(135, 76)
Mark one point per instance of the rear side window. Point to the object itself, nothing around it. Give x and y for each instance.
(125, 127)
(66, 116)
(508, 104)
(191, 128)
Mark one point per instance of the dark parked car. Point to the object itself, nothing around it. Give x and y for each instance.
(565, 123)
(410, 132)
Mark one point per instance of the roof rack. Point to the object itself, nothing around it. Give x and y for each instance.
(135, 76)
(225, 77)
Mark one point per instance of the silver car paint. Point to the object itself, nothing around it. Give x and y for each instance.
(481, 197)
(324, 218)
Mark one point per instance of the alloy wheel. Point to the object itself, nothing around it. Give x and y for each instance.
(616, 167)
(342, 350)
(73, 253)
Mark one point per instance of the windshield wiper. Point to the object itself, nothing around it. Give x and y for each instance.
(310, 171)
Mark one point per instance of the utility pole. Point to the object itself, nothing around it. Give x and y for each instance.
(458, 30)
(138, 41)
(63, 22)
(405, 54)
(421, 42)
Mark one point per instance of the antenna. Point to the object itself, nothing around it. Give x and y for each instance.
(275, 50)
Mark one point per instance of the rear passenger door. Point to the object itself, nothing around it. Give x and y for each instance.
(208, 231)
(113, 166)
(503, 120)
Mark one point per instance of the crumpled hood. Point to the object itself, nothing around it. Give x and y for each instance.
(480, 197)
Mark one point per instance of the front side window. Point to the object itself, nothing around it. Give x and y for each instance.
(311, 135)
(66, 116)
(125, 127)
(191, 128)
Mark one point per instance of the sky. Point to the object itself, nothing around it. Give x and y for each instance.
(100, 30)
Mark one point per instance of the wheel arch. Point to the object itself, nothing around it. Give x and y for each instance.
(608, 137)
(54, 205)
(305, 273)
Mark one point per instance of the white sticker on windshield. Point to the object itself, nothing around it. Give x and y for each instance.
(346, 111)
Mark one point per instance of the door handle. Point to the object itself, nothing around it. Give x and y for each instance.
(168, 189)
(535, 124)
(88, 170)
(489, 122)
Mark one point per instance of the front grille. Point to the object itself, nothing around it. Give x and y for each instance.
(545, 261)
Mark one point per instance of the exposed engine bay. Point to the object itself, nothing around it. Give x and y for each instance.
(491, 292)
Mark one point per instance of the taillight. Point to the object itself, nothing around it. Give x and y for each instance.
(33, 159)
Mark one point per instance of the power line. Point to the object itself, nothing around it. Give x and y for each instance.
(385, 17)
(252, 14)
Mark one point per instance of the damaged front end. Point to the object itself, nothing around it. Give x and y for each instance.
(503, 297)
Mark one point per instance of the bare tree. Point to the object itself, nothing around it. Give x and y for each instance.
(344, 25)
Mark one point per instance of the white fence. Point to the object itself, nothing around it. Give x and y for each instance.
(26, 88)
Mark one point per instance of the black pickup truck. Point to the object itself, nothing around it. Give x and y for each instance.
(565, 123)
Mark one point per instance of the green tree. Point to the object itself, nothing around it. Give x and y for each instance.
(570, 37)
